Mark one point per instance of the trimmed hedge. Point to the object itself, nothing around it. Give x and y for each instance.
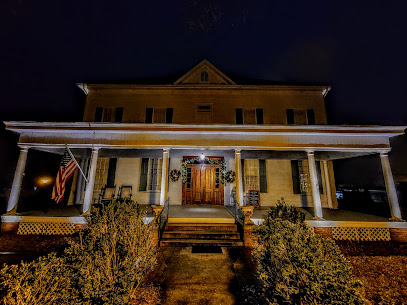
(296, 266)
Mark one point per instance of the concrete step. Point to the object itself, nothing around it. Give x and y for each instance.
(230, 220)
(201, 235)
(224, 227)
(200, 242)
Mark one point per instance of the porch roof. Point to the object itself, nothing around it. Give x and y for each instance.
(334, 139)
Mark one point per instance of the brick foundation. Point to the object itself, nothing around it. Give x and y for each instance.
(398, 234)
(9, 227)
(80, 226)
(248, 235)
(324, 232)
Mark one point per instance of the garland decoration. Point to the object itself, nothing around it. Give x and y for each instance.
(198, 160)
(230, 176)
(174, 175)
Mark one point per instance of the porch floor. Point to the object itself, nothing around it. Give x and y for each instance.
(329, 214)
(180, 211)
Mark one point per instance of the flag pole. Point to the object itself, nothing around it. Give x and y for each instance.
(73, 157)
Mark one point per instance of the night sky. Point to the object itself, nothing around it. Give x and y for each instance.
(357, 47)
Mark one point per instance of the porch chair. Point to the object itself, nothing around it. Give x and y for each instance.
(125, 192)
(107, 194)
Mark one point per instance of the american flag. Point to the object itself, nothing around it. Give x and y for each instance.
(66, 170)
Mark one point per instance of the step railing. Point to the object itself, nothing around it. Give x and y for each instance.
(162, 219)
(237, 211)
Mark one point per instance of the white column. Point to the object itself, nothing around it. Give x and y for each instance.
(239, 181)
(164, 177)
(327, 184)
(390, 187)
(18, 179)
(87, 201)
(79, 185)
(316, 198)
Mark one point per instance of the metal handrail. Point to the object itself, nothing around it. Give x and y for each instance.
(162, 219)
(237, 211)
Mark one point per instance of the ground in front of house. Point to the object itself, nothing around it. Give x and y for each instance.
(216, 278)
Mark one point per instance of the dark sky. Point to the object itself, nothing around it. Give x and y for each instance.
(357, 47)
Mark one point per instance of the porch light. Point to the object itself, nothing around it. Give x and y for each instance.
(202, 156)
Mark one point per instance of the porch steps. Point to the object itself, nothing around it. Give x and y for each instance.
(196, 232)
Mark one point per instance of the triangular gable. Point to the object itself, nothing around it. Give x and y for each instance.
(205, 73)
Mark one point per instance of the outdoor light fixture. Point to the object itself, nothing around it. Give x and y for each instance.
(202, 156)
(45, 181)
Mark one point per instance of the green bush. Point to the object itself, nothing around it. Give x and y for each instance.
(106, 265)
(283, 211)
(114, 254)
(47, 280)
(295, 266)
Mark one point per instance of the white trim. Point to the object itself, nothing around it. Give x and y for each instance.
(43, 219)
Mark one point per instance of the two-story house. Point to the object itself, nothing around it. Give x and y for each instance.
(255, 143)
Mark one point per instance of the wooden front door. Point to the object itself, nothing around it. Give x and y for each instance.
(203, 185)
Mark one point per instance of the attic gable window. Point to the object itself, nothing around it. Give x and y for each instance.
(204, 77)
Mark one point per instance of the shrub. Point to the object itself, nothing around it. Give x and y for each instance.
(47, 280)
(114, 254)
(106, 265)
(296, 266)
(283, 211)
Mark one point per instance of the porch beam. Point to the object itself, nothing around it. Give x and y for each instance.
(316, 198)
(390, 187)
(239, 181)
(164, 177)
(87, 201)
(17, 181)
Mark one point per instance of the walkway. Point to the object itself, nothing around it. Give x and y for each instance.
(196, 278)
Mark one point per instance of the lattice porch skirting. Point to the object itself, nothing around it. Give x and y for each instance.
(361, 234)
(40, 228)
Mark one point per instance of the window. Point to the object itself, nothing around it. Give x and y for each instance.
(300, 117)
(204, 114)
(251, 174)
(108, 114)
(150, 174)
(204, 77)
(249, 116)
(159, 115)
(301, 179)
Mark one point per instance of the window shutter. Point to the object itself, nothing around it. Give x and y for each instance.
(239, 116)
(290, 116)
(168, 115)
(98, 114)
(143, 174)
(118, 115)
(263, 176)
(311, 117)
(242, 170)
(111, 173)
(149, 115)
(259, 116)
(318, 166)
(295, 176)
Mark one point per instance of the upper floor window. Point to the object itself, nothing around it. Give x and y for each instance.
(159, 115)
(300, 117)
(109, 114)
(249, 116)
(204, 114)
(204, 77)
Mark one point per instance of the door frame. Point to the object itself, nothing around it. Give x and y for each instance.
(221, 188)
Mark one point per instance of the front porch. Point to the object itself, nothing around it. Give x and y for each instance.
(294, 162)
